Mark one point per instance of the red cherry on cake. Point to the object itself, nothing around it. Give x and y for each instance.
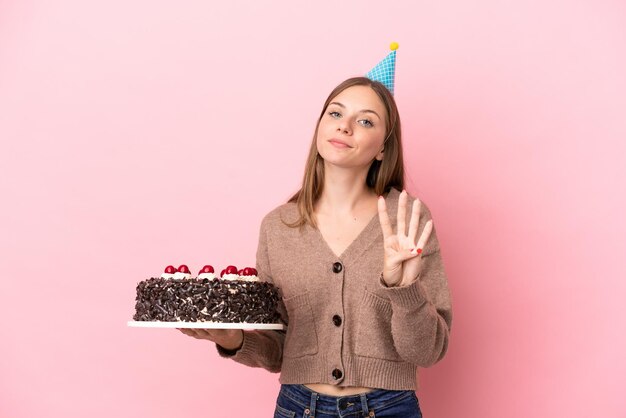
(207, 269)
(253, 272)
(249, 271)
(222, 273)
(240, 272)
(184, 269)
(230, 270)
(170, 269)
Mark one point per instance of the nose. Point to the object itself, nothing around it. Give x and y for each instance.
(344, 126)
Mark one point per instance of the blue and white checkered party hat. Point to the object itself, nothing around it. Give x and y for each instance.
(385, 70)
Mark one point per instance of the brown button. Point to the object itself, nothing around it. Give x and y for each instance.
(337, 374)
(337, 320)
(337, 267)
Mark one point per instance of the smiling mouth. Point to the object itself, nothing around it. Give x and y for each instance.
(339, 144)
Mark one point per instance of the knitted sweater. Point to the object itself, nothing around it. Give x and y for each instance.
(345, 327)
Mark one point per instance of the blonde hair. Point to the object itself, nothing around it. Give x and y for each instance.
(381, 176)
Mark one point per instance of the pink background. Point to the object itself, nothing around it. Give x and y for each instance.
(136, 134)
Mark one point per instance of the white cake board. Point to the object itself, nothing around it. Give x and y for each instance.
(204, 325)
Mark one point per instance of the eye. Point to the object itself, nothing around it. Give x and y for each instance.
(333, 113)
(367, 123)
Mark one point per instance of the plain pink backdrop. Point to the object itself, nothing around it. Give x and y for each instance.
(136, 134)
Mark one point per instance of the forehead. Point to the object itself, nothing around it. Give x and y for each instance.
(359, 98)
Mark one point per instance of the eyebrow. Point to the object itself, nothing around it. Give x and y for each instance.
(362, 111)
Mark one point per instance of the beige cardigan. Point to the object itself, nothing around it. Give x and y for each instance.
(344, 326)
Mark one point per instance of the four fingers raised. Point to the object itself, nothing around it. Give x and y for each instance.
(385, 222)
(414, 222)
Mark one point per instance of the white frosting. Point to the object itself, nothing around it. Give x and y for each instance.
(167, 275)
(209, 276)
(241, 278)
(180, 276)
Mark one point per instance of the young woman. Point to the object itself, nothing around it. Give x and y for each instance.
(359, 267)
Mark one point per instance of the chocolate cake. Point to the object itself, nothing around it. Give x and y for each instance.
(235, 297)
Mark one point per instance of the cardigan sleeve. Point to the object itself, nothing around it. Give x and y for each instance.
(261, 348)
(421, 316)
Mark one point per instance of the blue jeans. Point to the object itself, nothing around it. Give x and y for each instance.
(298, 401)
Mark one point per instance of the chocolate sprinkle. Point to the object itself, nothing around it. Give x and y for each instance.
(216, 300)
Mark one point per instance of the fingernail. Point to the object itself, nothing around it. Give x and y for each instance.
(419, 250)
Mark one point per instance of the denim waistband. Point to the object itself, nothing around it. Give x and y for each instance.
(345, 405)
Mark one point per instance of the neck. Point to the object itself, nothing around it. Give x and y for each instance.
(344, 192)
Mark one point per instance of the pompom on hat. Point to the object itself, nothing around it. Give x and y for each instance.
(385, 70)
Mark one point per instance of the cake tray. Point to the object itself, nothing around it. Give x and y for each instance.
(204, 325)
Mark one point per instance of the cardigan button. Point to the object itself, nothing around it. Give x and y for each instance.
(337, 267)
(337, 320)
(337, 374)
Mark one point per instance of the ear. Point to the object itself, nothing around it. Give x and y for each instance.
(380, 155)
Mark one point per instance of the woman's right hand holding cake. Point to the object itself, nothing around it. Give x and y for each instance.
(228, 339)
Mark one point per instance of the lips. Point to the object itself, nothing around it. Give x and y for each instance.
(339, 143)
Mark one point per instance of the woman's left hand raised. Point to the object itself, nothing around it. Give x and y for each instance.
(403, 261)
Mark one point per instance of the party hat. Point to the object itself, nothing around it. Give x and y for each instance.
(385, 70)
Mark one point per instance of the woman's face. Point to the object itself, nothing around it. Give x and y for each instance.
(352, 129)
